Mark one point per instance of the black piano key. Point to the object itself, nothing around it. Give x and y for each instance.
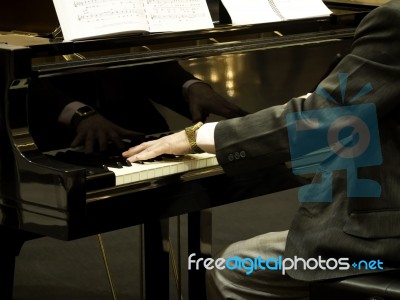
(104, 159)
(112, 156)
(128, 163)
(84, 159)
(120, 160)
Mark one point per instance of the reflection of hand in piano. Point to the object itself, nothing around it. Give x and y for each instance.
(111, 157)
(96, 131)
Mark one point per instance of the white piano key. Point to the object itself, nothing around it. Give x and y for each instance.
(150, 170)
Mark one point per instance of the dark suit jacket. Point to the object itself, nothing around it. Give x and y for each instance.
(355, 228)
(121, 95)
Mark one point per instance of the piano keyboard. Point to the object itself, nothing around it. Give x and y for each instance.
(133, 172)
(155, 169)
(126, 172)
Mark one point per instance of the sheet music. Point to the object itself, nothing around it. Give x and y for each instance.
(177, 15)
(94, 18)
(99, 17)
(244, 12)
(295, 9)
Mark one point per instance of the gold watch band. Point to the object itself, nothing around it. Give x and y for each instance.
(191, 136)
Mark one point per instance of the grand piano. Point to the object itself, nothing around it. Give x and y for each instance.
(255, 66)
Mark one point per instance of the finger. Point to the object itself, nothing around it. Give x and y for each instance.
(149, 150)
(78, 140)
(146, 154)
(116, 139)
(137, 149)
(103, 141)
(89, 142)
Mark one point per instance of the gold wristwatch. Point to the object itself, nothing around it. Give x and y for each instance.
(191, 136)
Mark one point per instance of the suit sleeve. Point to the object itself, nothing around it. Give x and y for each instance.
(261, 139)
(165, 82)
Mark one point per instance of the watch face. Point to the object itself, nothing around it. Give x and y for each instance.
(80, 114)
(85, 110)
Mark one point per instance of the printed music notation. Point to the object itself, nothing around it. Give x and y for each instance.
(104, 10)
(162, 14)
(81, 19)
(176, 12)
(79, 3)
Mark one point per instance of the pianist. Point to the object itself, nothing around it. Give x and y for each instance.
(98, 107)
(356, 228)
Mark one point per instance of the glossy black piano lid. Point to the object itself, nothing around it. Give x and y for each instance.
(28, 16)
(45, 21)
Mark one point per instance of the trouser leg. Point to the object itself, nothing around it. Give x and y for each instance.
(235, 284)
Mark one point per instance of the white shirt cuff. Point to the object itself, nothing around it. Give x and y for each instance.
(68, 112)
(205, 137)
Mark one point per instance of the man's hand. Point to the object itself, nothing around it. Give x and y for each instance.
(98, 130)
(203, 100)
(176, 143)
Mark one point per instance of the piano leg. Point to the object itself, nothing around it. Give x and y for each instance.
(11, 242)
(199, 242)
(156, 263)
(156, 260)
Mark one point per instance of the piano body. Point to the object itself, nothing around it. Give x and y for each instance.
(255, 66)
